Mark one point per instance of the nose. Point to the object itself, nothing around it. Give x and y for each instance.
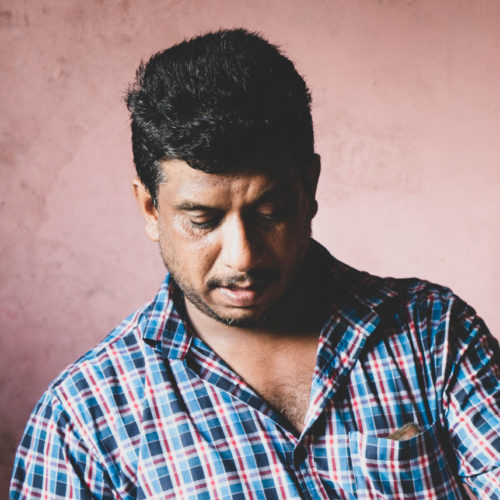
(239, 250)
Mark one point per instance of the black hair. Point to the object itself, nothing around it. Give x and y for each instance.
(220, 101)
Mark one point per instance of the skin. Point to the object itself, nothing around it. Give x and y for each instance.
(236, 244)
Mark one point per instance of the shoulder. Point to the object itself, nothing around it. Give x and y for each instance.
(105, 388)
(377, 291)
(413, 306)
(92, 413)
(119, 351)
(425, 323)
(121, 356)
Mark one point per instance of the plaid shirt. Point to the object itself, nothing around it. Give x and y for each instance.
(153, 412)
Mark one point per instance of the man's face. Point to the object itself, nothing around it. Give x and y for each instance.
(233, 242)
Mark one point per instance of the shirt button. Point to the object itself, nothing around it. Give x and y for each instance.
(299, 456)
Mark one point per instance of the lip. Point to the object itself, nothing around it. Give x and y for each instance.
(240, 296)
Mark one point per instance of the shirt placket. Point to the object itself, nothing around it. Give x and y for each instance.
(341, 344)
(204, 363)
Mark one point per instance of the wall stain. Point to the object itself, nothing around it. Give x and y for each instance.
(5, 18)
(8, 448)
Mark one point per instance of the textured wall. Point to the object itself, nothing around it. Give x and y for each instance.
(406, 105)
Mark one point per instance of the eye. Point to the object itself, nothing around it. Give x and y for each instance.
(271, 212)
(271, 217)
(208, 224)
(204, 221)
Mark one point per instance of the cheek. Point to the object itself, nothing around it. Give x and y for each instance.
(293, 241)
(294, 233)
(197, 256)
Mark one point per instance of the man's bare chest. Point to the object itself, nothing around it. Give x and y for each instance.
(289, 396)
(282, 377)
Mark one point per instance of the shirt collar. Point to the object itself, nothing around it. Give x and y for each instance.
(355, 295)
(165, 329)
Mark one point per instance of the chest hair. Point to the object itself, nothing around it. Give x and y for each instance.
(291, 398)
(284, 381)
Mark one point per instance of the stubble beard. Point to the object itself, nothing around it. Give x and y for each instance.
(255, 321)
(266, 318)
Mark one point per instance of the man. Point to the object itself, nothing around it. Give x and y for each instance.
(264, 368)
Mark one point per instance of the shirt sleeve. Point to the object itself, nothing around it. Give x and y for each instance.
(472, 401)
(52, 460)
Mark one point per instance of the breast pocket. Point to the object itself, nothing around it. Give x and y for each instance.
(415, 468)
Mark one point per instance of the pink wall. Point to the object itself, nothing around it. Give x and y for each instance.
(406, 105)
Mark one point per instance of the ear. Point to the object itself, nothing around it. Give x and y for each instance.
(311, 176)
(147, 208)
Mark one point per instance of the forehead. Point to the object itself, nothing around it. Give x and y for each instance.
(183, 182)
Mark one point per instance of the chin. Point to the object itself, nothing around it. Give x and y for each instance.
(242, 318)
(250, 321)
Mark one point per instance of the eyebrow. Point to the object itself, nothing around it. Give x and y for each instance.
(190, 206)
(277, 190)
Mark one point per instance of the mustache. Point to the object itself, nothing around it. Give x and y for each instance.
(251, 279)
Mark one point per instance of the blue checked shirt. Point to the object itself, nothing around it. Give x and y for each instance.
(153, 412)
